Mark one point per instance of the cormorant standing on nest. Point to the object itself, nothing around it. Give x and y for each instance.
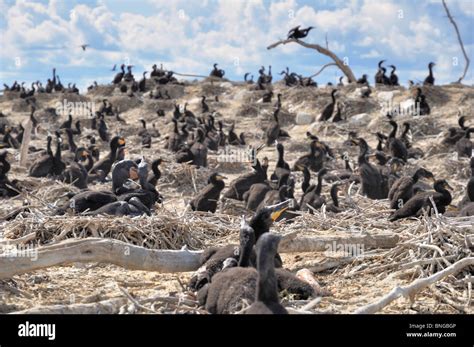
(464, 146)
(248, 81)
(429, 80)
(266, 297)
(312, 198)
(145, 135)
(282, 167)
(7, 188)
(338, 116)
(155, 174)
(119, 76)
(106, 163)
(421, 105)
(380, 77)
(274, 131)
(396, 146)
(374, 185)
(402, 190)
(393, 76)
(233, 139)
(43, 166)
(103, 130)
(76, 173)
(334, 206)
(68, 123)
(255, 195)
(147, 192)
(204, 105)
(122, 171)
(314, 160)
(241, 184)
(208, 197)
(470, 184)
(128, 77)
(456, 134)
(142, 82)
(199, 150)
(297, 33)
(278, 195)
(217, 72)
(278, 103)
(329, 109)
(229, 288)
(415, 205)
(174, 139)
(363, 80)
(212, 259)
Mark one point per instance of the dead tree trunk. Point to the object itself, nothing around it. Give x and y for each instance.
(340, 64)
(460, 41)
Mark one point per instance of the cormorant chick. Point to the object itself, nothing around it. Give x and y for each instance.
(208, 197)
(402, 190)
(415, 205)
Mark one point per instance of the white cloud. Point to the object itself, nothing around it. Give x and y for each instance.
(372, 54)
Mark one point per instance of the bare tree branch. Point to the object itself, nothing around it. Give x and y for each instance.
(340, 64)
(322, 69)
(415, 287)
(460, 41)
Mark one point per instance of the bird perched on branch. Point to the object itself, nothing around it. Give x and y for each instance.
(297, 33)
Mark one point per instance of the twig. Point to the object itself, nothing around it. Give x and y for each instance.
(460, 41)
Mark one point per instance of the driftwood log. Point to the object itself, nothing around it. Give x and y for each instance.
(109, 306)
(139, 258)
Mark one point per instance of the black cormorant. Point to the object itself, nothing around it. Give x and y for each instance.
(430, 80)
(207, 198)
(414, 207)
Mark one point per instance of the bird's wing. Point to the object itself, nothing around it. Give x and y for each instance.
(294, 29)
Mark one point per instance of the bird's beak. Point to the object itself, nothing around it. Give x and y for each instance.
(432, 178)
(220, 177)
(299, 167)
(278, 209)
(447, 186)
(164, 161)
(452, 208)
(132, 173)
(121, 141)
(355, 142)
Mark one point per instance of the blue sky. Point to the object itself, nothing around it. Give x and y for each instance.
(189, 36)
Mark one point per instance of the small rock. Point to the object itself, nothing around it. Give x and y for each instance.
(361, 118)
(304, 118)
(225, 85)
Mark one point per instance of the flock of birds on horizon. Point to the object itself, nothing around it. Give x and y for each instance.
(253, 273)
